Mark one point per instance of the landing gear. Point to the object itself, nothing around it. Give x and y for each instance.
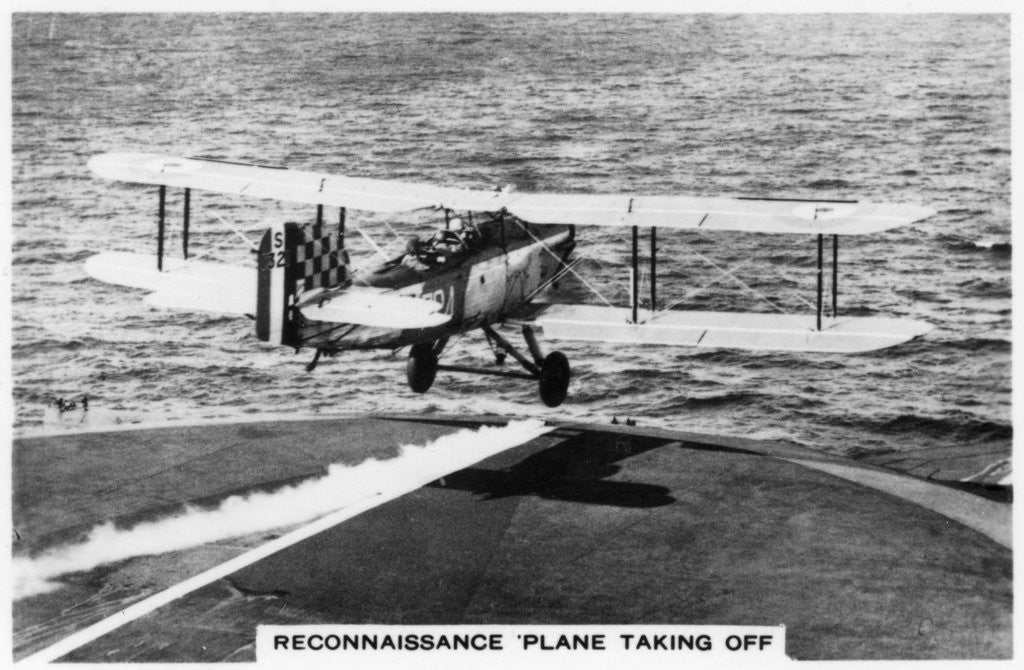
(316, 359)
(499, 354)
(554, 379)
(421, 368)
(551, 372)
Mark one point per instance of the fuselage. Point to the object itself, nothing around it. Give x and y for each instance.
(478, 287)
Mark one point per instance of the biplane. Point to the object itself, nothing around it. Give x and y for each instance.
(497, 253)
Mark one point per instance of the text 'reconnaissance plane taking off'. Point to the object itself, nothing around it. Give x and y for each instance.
(484, 269)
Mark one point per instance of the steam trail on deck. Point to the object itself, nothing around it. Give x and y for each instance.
(341, 487)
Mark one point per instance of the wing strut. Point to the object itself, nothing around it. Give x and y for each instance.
(654, 268)
(819, 280)
(635, 298)
(835, 277)
(184, 229)
(635, 283)
(160, 230)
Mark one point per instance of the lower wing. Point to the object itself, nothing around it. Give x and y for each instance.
(182, 284)
(734, 330)
(228, 289)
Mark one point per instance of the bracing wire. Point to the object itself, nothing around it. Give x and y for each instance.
(740, 282)
(569, 268)
(706, 286)
(795, 295)
(236, 231)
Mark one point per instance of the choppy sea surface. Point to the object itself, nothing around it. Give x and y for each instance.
(903, 108)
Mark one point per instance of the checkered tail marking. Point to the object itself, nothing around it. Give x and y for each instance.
(318, 259)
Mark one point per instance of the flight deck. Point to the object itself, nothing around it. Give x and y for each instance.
(598, 524)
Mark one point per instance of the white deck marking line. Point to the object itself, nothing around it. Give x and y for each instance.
(147, 605)
(988, 517)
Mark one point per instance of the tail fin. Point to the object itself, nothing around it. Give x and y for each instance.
(294, 259)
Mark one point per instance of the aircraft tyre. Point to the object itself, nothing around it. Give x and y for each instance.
(554, 379)
(421, 368)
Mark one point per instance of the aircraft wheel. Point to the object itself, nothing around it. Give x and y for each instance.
(554, 379)
(421, 368)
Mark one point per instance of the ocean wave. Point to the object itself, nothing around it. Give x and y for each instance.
(959, 427)
(981, 344)
(965, 246)
(986, 288)
(995, 244)
(729, 398)
(827, 184)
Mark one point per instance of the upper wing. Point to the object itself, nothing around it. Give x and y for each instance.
(739, 214)
(679, 212)
(275, 183)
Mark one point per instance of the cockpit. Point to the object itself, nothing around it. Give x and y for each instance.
(447, 246)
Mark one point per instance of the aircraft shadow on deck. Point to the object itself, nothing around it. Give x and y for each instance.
(575, 470)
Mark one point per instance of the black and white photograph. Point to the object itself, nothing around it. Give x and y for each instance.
(356, 335)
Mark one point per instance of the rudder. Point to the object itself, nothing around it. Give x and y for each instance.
(293, 260)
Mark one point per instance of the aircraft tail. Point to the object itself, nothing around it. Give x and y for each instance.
(294, 259)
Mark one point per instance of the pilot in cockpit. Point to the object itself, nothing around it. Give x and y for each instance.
(449, 240)
(457, 236)
(414, 254)
(467, 233)
(453, 239)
